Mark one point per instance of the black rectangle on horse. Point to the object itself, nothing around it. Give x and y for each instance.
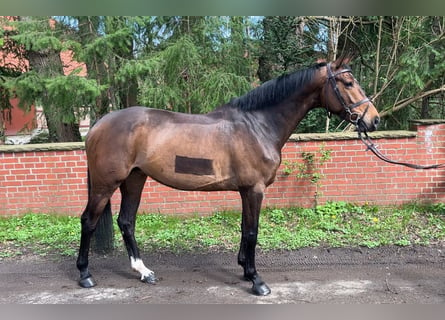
(196, 166)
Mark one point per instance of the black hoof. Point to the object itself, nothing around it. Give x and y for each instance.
(260, 289)
(87, 282)
(150, 279)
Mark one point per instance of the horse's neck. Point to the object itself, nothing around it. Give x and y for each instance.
(284, 118)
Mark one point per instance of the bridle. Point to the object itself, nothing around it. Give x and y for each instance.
(355, 117)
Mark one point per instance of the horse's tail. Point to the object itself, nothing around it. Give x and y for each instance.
(88, 181)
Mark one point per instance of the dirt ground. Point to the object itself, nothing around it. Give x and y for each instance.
(310, 275)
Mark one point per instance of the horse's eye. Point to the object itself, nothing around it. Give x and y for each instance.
(349, 84)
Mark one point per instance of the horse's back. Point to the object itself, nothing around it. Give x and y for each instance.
(183, 151)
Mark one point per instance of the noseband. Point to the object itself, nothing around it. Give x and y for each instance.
(354, 117)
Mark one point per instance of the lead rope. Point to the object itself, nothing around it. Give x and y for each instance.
(371, 146)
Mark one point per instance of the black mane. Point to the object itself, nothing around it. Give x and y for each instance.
(276, 90)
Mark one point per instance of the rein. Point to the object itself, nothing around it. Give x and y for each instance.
(370, 145)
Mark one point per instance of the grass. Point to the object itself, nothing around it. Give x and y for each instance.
(334, 224)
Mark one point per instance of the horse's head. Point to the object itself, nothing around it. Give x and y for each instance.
(342, 95)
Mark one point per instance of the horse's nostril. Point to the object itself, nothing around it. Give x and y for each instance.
(376, 121)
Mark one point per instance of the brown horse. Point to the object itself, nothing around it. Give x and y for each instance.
(236, 147)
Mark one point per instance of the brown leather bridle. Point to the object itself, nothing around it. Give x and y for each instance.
(354, 117)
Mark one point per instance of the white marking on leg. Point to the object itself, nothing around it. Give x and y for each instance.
(138, 265)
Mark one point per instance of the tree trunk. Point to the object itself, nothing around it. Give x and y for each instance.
(2, 129)
(68, 132)
(49, 64)
(425, 112)
(264, 71)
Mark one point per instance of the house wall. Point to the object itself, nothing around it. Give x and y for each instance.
(18, 121)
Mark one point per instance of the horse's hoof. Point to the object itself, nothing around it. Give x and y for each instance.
(261, 289)
(150, 279)
(87, 282)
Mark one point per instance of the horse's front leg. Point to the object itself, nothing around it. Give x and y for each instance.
(251, 202)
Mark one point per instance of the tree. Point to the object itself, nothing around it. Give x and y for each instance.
(198, 70)
(63, 97)
(406, 65)
(105, 42)
(286, 46)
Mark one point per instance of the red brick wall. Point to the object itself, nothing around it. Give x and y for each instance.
(33, 178)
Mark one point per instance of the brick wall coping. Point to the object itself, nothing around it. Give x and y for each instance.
(351, 135)
(427, 122)
(64, 146)
(68, 146)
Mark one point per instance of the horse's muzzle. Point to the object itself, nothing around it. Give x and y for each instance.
(368, 126)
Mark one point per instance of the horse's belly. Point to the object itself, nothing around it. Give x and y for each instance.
(190, 173)
(192, 182)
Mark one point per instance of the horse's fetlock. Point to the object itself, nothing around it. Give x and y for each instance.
(252, 236)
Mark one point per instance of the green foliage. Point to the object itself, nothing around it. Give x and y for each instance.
(140, 68)
(218, 87)
(28, 86)
(39, 234)
(312, 162)
(72, 93)
(69, 94)
(400, 61)
(42, 137)
(334, 224)
(182, 62)
(179, 79)
(309, 168)
(287, 45)
(100, 47)
(36, 34)
(411, 63)
(63, 98)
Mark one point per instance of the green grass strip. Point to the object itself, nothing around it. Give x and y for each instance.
(335, 224)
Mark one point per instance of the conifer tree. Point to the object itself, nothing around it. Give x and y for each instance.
(63, 97)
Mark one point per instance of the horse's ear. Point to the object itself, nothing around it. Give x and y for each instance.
(345, 58)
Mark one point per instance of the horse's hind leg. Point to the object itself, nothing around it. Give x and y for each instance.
(131, 190)
(94, 209)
